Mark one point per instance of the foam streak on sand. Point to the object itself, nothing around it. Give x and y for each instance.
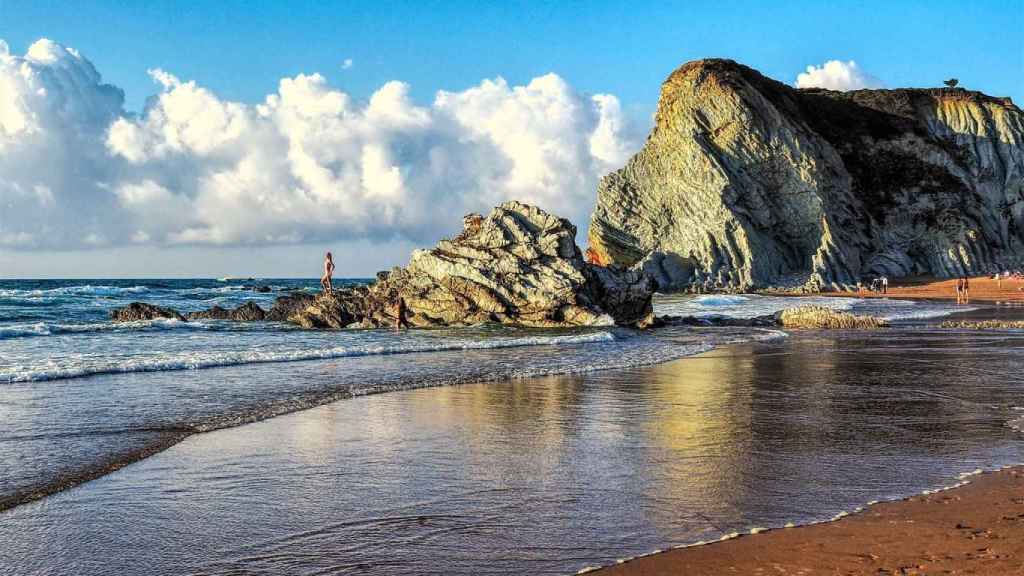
(196, 360)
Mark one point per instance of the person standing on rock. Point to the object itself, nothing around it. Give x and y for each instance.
(885, 284)
(325, 281)
(966, 291)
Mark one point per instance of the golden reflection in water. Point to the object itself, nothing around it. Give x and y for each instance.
(699, 432)
(533, 415)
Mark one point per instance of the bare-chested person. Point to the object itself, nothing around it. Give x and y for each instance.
(965, 290)
(325, 281)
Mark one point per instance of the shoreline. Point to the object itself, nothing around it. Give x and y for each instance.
(975, 525)
(172, 436)
(983, 289)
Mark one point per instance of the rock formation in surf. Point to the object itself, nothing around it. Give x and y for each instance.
(518, 265)
(137, 311)
(248, 312)
(746, 183)
(823, 318)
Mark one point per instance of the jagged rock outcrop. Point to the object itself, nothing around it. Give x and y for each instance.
(519, 265)
(141, 311)
(287, 305)
(747, 183)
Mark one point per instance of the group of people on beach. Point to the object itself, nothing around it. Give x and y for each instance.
(880, 284)
(327, 285)
(999, 277)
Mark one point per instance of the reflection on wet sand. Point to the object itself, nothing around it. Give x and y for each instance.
(547, 475)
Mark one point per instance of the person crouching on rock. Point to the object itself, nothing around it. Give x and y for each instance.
(325, 281)
(400, 321)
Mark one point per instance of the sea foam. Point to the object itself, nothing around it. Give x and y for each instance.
(195, 360)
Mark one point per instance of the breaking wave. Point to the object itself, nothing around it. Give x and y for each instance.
(31, 329)
(86, 290)
(196, 360)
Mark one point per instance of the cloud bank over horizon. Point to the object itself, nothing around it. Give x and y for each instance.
(837, 75)
(308, 164)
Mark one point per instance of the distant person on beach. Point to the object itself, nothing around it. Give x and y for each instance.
(885, 284)
(400, 321)
(325, 281)
(959, 291)
(966, 290)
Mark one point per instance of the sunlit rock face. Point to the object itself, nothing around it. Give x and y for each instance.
(745, 182)
(518, 265)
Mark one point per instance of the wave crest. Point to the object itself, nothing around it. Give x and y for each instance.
(201, 360)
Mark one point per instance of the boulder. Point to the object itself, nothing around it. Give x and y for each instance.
(518, 265)
(141, 311)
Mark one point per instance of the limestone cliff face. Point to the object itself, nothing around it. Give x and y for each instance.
(745, 182)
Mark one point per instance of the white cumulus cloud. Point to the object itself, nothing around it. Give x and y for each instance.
(837, 75)
(309, 163)
(347, 63)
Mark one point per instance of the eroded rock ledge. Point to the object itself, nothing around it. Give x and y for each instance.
(518, 265)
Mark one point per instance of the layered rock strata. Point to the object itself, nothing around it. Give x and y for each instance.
(747, 183)
(518, 265)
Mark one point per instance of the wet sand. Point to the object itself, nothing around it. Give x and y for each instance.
(982, 289)
(548, 475)
(974, 529)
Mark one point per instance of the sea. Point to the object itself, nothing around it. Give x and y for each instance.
(215, 447)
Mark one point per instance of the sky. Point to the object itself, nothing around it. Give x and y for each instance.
(245, 138)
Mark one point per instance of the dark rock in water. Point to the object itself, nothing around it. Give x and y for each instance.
(248, 312)
(747, 183)
(287, 305)
(261, 289)
(214, 313)
(519, 266)
(141, 311)
(328, 310)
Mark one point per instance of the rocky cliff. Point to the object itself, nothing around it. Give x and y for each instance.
(746, 183)
(518, 265)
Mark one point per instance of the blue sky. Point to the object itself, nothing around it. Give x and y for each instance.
(128, 207)
(241, 49)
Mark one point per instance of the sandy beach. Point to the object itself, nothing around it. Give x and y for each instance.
(975, 529)
(982, 289)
